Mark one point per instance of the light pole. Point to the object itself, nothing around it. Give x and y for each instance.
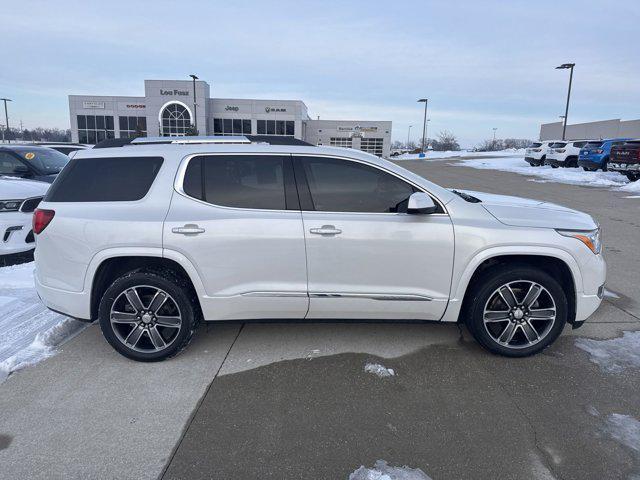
(426, 133)
(566, 110)
(494, 134)
(409, 136)
(6, 115)
(195, 105)
(424, 124)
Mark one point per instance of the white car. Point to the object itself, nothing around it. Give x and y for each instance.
(535, 155)
(18, 199)
(564, 153)
(154, 236)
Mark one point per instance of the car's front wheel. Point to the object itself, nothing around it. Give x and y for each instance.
(516, 311)
(148, 316)
(633, 176)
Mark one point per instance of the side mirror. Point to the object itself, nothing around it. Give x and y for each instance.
(420, 202)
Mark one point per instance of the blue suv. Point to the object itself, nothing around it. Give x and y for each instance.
(595, 154)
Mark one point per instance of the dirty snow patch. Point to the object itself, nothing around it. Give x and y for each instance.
(625, 429)
(43, 346)
(383, 471)
(613, 355)
(379, 370)
(432, 155)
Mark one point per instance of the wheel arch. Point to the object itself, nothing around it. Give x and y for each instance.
(113, 266)
(560, 265)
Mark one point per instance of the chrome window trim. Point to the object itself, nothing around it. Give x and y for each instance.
(184, 163)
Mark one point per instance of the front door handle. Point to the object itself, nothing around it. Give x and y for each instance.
(189, 229)
(326, 230)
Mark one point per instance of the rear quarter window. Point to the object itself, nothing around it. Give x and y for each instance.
(111, 179)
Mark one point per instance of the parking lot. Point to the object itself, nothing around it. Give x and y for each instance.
(293, 400)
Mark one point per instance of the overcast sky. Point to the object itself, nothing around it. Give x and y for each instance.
(482, 64)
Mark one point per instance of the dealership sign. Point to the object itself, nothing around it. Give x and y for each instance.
(358, 128)
(174, 92)
(232, 108)
(274, 109)
(92, 104)
(131, 106)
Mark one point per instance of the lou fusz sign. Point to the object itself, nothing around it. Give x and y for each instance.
(173, 92)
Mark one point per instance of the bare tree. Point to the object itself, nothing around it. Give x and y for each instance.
(446, 141)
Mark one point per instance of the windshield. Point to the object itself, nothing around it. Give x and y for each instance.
(46, 160)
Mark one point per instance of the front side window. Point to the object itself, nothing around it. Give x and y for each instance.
(345, 186)
(240, 181)
(46, 161)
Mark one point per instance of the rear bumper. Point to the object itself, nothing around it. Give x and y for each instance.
(533, 160)
(72, 304)
(624, 167)
(590, 162)
(558, 162)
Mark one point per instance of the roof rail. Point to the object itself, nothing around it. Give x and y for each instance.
(189, 140)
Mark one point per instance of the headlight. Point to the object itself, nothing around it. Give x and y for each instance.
(10, 205)
(591, 238)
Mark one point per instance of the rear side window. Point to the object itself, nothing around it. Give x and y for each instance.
(579, 144)
(558, 145)
(240, 181)
(535, 145)
(343, 186)
(113, 179)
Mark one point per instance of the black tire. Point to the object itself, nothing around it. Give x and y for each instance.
(632, 176)
(484, 289)
(179, 292)
(605, 164)
(586, 169)
(554, 166)
(543, 159)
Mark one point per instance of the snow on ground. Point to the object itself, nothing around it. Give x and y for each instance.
(379, 370)
(625, 429)
(30, 332)
(431, 155)
(573, 176)
(613, 355)
(383, 471)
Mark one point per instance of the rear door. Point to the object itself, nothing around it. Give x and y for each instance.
(236, 218)
(366, 257)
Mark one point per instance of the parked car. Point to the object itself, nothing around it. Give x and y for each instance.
(625, 159)
(219, 231)
(564, 153)
(18, 199)
(28, 161)
(64, 147)
(595, 154)
(536, 154)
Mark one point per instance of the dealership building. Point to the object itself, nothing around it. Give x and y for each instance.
(170, 108)
(602, 129)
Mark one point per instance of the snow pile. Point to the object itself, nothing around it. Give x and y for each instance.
(43, 346)
(29, 331)
(431, 155)
(572, 176)
(379, 370)
(625, 429)
(613, 355)
(383, 471)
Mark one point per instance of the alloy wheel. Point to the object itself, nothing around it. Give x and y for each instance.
(145, 319)
(519, 314)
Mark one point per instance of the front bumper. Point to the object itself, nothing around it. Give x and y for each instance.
(15, 233)
(594, 275)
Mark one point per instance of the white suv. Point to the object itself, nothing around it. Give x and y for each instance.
(536, 154)
(152, 237)
(564, 153)
(18, 199)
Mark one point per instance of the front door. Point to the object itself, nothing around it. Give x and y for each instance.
(236, 218)
(367, 257)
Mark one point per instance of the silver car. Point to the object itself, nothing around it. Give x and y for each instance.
(152, 237)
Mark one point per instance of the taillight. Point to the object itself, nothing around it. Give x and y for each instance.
(42, 218)
(599, 151)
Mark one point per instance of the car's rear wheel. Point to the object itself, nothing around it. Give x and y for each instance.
(516, 312)
(148, 316)
(633, 176)
(605, 165)
(554, 166)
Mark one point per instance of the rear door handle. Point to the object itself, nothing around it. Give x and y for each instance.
(326, 230)
(189, 229)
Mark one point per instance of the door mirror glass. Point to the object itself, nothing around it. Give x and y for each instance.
(420, 202)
